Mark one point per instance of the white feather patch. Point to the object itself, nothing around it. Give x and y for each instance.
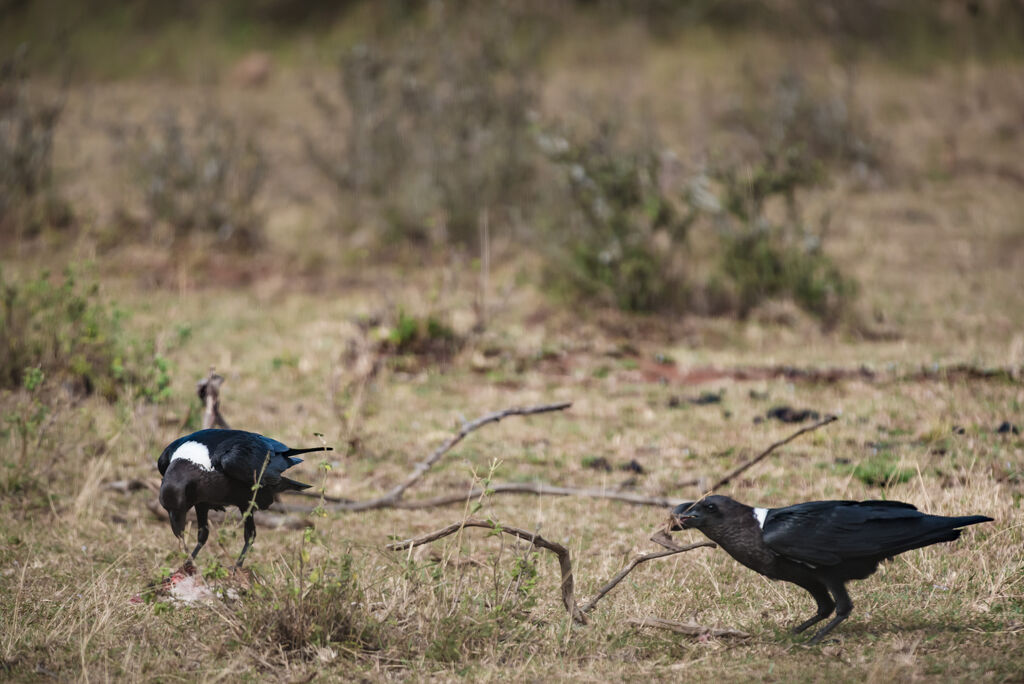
(194, 452)
(759, 515)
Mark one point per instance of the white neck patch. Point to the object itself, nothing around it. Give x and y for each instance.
(194, 452)
(759, 515)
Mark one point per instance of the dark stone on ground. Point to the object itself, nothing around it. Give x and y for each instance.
(632, 466)
(1006, 427)
(788, 414)
(597, 463)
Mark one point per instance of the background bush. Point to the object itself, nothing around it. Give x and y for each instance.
(203, 178)
(437, 126)
(68, 334)
(29, 201)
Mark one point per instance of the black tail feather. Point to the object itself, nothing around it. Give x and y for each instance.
(288, 483)
(293, 452)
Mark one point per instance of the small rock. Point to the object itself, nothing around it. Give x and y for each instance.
(706, 398)
(633, 466)
(959, 430)
(787, 414)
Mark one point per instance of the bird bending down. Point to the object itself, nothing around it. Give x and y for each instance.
(819, 545)
(218, 468)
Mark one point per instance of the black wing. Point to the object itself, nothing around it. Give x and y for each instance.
(829, 532)
(244, 456)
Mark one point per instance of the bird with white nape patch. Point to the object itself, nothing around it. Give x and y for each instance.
(818, 545)
(211, 469)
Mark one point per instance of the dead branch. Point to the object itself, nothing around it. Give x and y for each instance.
(538, 488)
(690, 628)
(272, 520)
(208, 390)
(541, 489)
(564, 563)
(761, 456)
(661, 535)
(635, 562)
(393, 498)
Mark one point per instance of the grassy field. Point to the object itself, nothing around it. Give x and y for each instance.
(935, 240)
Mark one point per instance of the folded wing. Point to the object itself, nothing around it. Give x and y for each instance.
(831, 532)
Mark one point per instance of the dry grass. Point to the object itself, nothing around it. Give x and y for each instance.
(938, 251)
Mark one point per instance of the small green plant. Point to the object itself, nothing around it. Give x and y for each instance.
(425, 336)
(318, 604)
(72, 337)
(882, 470)
(26, 423)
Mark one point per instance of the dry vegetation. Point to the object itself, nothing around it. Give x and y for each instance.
(377, 324)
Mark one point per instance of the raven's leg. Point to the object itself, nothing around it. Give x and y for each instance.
(825, 605)
(844, 606)
(204, 528)
(250, 534)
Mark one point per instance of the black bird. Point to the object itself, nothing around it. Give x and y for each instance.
(819, 545)
(218, 468)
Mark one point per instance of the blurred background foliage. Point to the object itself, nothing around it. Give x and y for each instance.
(433, 132)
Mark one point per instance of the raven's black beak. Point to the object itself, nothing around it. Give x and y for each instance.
(177, 523)
(682, 515)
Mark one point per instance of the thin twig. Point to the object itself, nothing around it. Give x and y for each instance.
(538, 488)
(564, 563)
(393, 498)
(541, 489)
(635, 562)
(661, 535)
(757, 459)
(690, 628)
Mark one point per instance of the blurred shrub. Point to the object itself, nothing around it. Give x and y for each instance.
(437, 126)
(787, 117)
(201, 179)
(762, 259)
(629, 242)
(625, 231)
(29, 202)
(913, 32)
(68, 334)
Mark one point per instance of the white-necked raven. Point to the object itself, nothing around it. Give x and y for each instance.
(218, 468)
(819, 545)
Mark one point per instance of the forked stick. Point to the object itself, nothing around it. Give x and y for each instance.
(635, 562)
(564, 561)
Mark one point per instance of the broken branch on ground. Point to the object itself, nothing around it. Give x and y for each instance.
(565, 563)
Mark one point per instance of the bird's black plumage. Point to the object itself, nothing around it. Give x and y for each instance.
(819, 545)
(211, 469)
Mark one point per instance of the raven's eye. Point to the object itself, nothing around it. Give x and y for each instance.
(710, 507)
